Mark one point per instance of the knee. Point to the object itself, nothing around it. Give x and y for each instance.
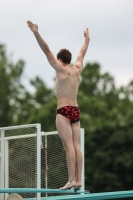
(76, 146)
(68, 147)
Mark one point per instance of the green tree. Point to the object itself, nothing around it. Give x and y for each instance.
(106, 115)
(10, 87)
(19, 106)
(38, 107)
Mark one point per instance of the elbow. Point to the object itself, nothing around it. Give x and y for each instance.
(46, 50)
(82, 55)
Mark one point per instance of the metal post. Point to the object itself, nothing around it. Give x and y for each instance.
(6, 165)
(38, 159)
(83, 166)
(2, 162)
(46, 163)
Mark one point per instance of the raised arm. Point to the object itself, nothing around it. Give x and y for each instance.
(81, 54)
(44, 46)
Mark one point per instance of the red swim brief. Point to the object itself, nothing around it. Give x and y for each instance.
(70, 112)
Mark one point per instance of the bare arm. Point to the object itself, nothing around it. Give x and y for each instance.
(81, 54)
(44, 46)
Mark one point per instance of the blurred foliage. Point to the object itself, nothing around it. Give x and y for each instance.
(106, 116)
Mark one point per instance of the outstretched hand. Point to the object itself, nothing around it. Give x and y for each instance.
(33, 27)
(86, 33)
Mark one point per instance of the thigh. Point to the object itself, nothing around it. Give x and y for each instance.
(64, 129)
(76, 133)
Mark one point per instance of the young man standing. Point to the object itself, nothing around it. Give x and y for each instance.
(68, 112)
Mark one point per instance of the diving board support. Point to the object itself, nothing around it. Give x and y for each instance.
(83, 165)
(4, 155)
(39, 190)
(85, 196)
(2, 162)
(6, 172)
(38, 175)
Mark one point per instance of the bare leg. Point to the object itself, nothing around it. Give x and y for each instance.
(65, 132)
(78, 153)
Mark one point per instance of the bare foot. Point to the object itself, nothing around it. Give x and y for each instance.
(69, 185)
(76, 188)
(78, 184)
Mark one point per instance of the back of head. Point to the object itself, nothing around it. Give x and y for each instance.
(65, 55)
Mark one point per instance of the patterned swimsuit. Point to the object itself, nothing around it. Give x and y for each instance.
(70, 112)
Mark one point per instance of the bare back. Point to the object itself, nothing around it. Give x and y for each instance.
(67, 84)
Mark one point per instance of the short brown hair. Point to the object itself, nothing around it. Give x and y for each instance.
(65, 55)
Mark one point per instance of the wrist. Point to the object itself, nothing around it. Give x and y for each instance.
(87, 39)
(36, 31)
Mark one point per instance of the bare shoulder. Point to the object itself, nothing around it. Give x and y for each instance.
(57, 65)
(78, 66)
(54, 62)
